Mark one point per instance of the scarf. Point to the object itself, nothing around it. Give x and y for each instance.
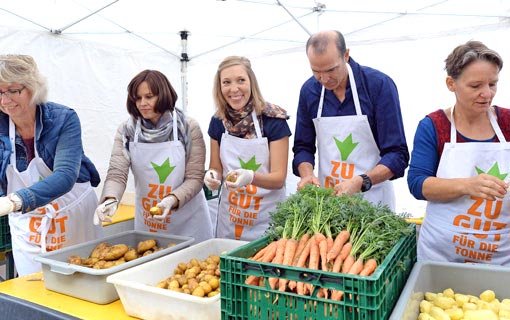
(239, 123)
(162, 132)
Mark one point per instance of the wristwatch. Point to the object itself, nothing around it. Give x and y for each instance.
(366, 184)
(16, 200)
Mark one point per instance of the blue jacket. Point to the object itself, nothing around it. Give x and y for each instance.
(379, 100)
(58, 142)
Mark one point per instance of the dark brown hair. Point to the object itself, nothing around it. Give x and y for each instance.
(319, 42)
(159, 86)
(467, 53)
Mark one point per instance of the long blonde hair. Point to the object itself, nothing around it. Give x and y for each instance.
(256, 96)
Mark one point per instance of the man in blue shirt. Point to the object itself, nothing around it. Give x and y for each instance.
(353, 112)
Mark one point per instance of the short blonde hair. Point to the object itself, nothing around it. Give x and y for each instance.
(256, 96)
(22, 69)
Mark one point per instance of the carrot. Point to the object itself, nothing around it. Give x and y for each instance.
(323, 250)
(267, 257)
(330, 242)
(346, 250)
(340, 240)
(369, 267)
(356, 267)
(288, 256)
(302, 260)
(313, 260)
(259, 254)
(278, 258)
(301, 245)
(348, 262)
(319, 237)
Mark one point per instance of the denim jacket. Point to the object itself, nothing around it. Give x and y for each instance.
(59, 145)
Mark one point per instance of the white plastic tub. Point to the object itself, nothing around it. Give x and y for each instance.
(465, 278)
(90, 284)
(142, 299)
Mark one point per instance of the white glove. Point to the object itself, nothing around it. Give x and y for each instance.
(105, 210)
(212, 180)
(166, 204)
(6, 206)
(244, 177)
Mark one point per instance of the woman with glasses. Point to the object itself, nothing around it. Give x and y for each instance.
(46, 180)
(249, 150)
(165, 150)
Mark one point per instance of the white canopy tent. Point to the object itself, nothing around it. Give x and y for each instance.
(90, 49)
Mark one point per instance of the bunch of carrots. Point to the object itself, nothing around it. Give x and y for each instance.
(318, 230)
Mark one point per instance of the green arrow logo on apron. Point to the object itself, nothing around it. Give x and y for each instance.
(163, 170)
(345, 147)
(493, 171)
(250, 165)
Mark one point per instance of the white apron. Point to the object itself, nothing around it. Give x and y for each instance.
(243, 214)
(158, 168)
(359, 155)
(65, 221)
(469, 229)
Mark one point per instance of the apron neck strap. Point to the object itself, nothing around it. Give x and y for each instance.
(354, 91)
(492, 119)
(12, 138)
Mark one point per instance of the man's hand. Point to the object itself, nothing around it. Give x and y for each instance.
(311, 179)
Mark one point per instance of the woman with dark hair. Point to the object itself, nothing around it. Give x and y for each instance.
(166, 152)
(46, 179)
(460, 164)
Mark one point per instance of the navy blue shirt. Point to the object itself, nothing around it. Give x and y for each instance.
(379, 101)
(273, 128)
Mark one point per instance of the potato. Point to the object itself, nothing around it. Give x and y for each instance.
(156, 211)
(425, 306)
(488, 295)
(89, 262)
(114, 252)
(438, 313)
(74, 259)
(455, 313)
(145, 245)
(480, 315)
(444, 302)
(425, 316)
(231, 177)
(132, 254)
(96, 253)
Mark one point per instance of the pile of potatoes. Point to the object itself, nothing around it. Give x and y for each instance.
(198, 278)
(448, 305)
(105, 256)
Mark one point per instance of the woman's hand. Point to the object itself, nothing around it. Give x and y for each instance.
(244, 177)
(105, 210)
(211, 180)
(486, 187)
(166, 205)
(6, 206)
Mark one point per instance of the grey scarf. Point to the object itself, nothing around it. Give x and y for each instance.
(162, 132)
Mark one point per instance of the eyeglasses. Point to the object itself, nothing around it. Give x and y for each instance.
(11, 92)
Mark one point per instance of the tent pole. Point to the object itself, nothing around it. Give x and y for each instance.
(184, 70)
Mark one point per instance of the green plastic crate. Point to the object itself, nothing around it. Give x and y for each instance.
(5, 234)
(369, 298)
